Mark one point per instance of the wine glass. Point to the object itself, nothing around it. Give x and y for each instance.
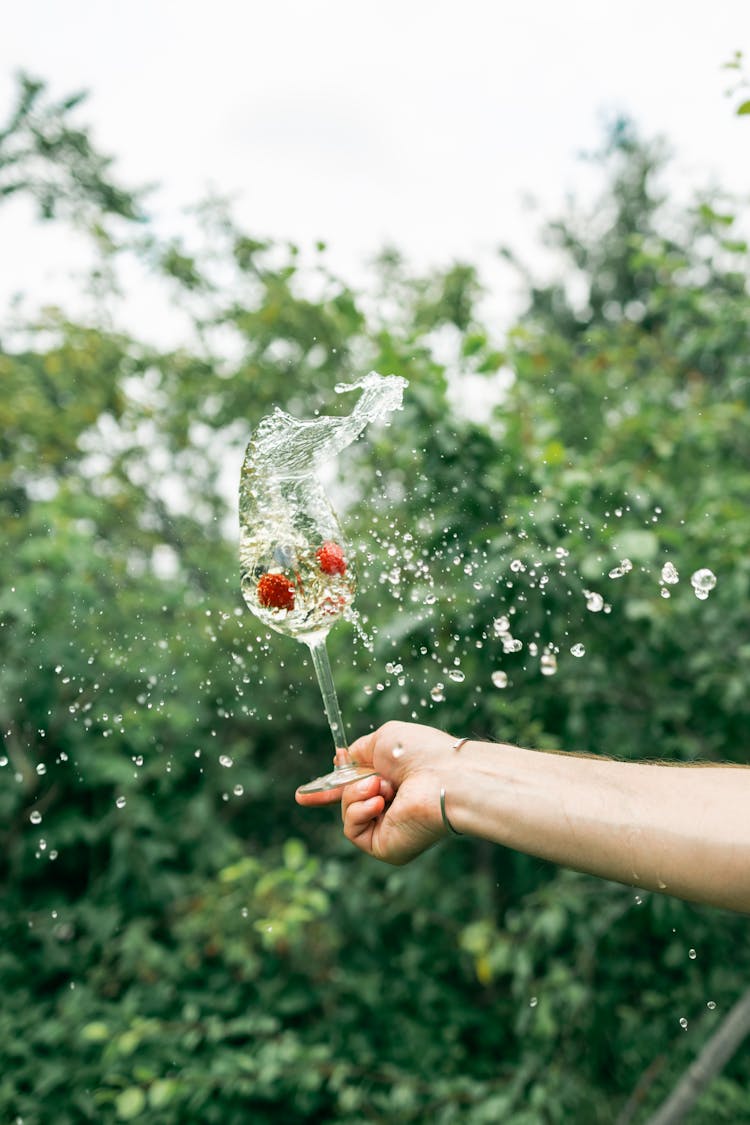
(298, 577)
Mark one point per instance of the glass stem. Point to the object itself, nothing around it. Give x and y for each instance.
(322, 668)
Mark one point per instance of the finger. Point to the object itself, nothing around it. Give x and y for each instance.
(360, 791)
(362, 749)
(387, 790)
(314, 800)
(360, 820)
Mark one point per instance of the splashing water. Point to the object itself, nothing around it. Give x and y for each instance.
(669, 574)
(297, 573)
(288, 447)
(286, 517)
(703, 582)
(625, 567)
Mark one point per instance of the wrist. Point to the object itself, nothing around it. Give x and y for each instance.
(455, 783)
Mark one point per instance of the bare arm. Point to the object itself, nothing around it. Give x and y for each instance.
(682, 831)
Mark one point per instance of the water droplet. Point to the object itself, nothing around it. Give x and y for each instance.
(438, 693)
(499, 679)
(594, 602)
(501, 625)
(35, 817)
(457, 675)
(226, 761)
(669, 574)
(665, 592)
(120, 802)
(578, 650)
(692, 954)
(533, 1002)
(517, 566)
(711, 1004)
(41, 769)
(683, 1023)
(624, 568)
(548, 663)
(397, 751)
(703, 582)
(238, 790)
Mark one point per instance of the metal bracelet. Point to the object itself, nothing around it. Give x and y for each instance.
(456, 746)
(444, 815)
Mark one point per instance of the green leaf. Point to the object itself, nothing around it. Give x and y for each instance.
(130, 1103)
(295, 854)
(743, 109)
(635, 544)
(161, 1092)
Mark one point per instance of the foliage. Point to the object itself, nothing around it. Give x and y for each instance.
(46, 155)
(180, 942)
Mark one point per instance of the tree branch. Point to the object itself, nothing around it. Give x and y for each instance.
(715, 1054)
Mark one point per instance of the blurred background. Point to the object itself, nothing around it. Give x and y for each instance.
(540, 220)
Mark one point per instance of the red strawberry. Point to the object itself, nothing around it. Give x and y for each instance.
(331, 558)
(275, 591)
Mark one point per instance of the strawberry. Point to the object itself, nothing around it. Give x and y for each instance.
(331, 558)
(275, 591)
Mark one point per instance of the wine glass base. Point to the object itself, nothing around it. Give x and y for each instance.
(341, 775)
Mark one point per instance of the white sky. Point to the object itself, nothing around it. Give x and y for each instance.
(420, 122)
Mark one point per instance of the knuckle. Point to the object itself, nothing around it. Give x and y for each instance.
(391, 731)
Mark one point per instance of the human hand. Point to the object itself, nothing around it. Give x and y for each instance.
(395, 814)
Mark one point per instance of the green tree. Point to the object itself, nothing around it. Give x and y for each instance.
(180, 943)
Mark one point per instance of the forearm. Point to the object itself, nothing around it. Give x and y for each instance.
(682, 831)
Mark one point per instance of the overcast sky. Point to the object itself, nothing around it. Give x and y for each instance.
(423, 123)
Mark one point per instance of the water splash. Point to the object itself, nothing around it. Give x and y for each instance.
(625, 567)
(703, 582)
(285, 447)
(297, 573)
(669, 574)
(286, 518)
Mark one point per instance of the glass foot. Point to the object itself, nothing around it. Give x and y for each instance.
(341, 775)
